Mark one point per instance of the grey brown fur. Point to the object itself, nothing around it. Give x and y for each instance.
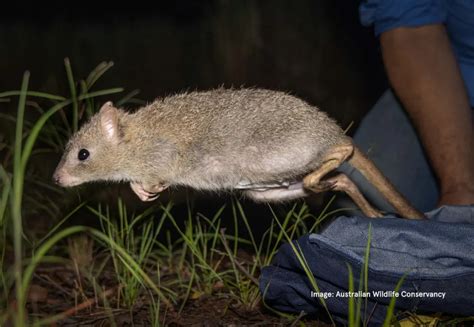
(224, 139)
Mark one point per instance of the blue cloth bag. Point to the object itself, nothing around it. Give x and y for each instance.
(436, 256)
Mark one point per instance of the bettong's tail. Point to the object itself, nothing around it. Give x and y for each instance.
(368, 169)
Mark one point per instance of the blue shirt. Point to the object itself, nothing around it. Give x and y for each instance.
(456, 15)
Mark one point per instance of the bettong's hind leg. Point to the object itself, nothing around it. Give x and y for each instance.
(342, 183)
(339, 182)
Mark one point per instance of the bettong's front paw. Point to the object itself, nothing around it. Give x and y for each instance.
(147, 192)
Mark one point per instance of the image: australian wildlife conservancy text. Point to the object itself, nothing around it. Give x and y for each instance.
(378, 294)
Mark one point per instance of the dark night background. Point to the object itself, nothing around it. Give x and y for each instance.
(314, 49)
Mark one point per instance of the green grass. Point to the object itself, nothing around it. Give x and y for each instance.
(13, 185)
(131, 248)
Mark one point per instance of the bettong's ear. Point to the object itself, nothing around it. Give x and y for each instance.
(109, 121)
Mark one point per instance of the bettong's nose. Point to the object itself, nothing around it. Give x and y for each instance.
(56, 179)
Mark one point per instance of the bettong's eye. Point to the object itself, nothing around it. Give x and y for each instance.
(83, 154)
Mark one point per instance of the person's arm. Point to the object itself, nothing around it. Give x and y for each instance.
(424, 73)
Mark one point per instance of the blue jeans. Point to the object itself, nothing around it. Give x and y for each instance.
(434, 256)
(387, 136)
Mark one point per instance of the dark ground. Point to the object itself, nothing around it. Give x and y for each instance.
(52, 289)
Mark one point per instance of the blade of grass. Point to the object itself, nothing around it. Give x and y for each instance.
(55, 228)
(16, 203)
(233, 260)
(391, 306)
(98, 72)
(236, 228)
(93, 73)
(127, 97)
(30, 141)
(72, 88)
(188, 289)
(365, 277)
(3, 207)
(89, 102)
(249, 230)
(351, 313)
(280, 235)
(5, 194)
(33, 94)
(100, 93)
